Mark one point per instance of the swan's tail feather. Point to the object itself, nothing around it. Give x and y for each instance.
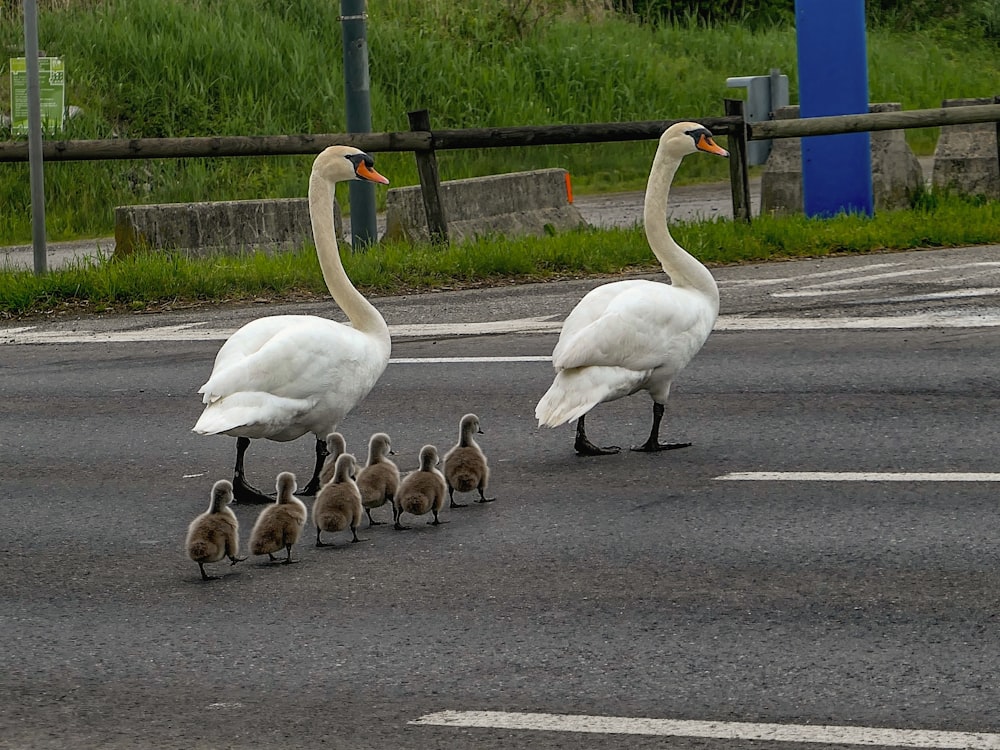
(575, 392)
(563, 402)
(259, 411)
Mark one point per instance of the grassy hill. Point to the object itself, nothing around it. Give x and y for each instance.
(141, 68)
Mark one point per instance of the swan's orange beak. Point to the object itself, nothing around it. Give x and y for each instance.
(705, 143)
(365, 172)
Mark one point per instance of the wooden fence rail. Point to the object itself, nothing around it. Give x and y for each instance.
(283, 145)
(424, 142)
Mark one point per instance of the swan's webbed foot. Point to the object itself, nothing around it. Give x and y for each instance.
(654, 447)
(399, 527)
(311, 488)
(246, 493)
(483, 498)
(205, 576)
(653, 444)
(372, 521)
(584, 447)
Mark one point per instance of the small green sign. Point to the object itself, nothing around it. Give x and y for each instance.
(52, 92)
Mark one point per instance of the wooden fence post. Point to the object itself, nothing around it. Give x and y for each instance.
(430, 182)
(739, 171)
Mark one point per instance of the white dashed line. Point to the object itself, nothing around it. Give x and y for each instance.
(722, 730)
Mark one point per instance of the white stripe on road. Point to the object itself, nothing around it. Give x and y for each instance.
(462, 360)
(198, 331)
(859, 476)
(721, 730)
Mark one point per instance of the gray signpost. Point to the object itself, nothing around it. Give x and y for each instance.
(35, 136)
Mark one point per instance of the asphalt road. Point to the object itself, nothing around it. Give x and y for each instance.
(624, 586)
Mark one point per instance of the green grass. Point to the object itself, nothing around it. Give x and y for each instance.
(143, 68)
(158, 281)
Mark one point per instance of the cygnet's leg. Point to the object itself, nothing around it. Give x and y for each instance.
(372, 521)
(288, 560)
(482, 497)
(437, 521)
(451, 497)
(243, 491)
(584, 447)
(321, 453)
(354, 532)
(318, 542)
(397, 513)
(653, 443)
(205, 576)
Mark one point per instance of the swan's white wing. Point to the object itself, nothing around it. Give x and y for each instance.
(283, 376)
(635, 325)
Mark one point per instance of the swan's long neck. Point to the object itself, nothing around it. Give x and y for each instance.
(683, 269)
(362, 313)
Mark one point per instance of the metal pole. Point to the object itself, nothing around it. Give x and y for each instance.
(353, 19)
(35, 136)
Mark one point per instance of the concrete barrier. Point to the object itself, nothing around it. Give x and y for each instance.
(217, 227)
(896, 171)
(965, 159)
(517, 204)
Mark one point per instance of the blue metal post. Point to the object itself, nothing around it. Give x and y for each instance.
(833, 80)
(353, 19)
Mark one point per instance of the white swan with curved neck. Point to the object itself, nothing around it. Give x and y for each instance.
(637, 335)
(282, 376)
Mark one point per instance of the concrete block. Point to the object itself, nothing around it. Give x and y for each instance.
(517, 204)
(965, 159)
(896, 171)
(217, 227)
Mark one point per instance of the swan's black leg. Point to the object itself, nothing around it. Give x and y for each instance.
(372, 521)
(653, 443)
(205, 576)
(584, 447)
(243, 491)
(321, 453)
(483, 498)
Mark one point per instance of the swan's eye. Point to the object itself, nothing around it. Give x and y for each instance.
(697, 134)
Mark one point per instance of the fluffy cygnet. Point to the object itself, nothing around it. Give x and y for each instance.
(378, 481)
(422, 491)
(335, 446)
(338, 503)
(465, 467)
(216, 532)
(279, 525)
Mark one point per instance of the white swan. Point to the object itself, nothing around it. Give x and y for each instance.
(282, 376)
(637, 335)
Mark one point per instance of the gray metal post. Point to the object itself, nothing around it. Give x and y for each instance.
(36, 172)
(353, 19)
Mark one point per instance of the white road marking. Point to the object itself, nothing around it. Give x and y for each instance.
(926, 296)
(799, 277)
(943, 319)
(462, 360)
(722, 730)
(859, 476)
(200, 332)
